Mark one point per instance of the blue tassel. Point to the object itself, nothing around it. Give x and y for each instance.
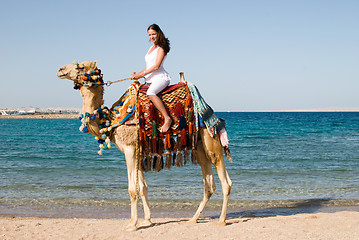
(93, 117)
(182, 123)
(85, 130)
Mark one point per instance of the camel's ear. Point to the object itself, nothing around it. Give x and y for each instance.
(80, 66)
(94, 65)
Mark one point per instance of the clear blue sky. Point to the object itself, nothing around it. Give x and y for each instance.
(242, 55)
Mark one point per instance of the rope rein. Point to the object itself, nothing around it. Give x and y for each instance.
(121, 80)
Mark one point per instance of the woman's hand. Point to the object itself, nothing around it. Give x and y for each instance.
(134, 76)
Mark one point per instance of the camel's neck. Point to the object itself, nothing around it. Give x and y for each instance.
(92, 98)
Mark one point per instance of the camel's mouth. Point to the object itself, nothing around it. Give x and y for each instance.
(61, 73)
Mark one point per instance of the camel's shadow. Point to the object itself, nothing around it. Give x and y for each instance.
(305, 206)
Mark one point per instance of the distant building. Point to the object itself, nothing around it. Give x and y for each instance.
(3, 112)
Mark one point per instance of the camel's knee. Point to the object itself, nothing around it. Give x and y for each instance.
(144, 190)
(133, 194)
(209, 187)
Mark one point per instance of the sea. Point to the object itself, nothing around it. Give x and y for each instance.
(283, 163)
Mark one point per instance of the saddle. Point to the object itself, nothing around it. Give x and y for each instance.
(181, 135)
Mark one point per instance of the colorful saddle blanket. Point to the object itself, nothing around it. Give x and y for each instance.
(178, 102)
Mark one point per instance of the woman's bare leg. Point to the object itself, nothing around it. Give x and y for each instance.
(161, 107)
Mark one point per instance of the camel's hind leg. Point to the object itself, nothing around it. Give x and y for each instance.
(209, 185)
(214, 152)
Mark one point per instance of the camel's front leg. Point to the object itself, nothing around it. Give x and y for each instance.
(130, 155)
(144, 196)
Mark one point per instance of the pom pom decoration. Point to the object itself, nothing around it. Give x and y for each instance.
(104, 125)
(85, 130)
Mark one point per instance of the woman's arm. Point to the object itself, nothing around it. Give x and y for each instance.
(159, 59)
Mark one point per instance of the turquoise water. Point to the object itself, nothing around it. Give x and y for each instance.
(280, 160)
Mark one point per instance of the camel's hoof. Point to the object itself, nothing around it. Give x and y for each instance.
(130, 228)
(192, 221)
(147, 223)
(222, 224)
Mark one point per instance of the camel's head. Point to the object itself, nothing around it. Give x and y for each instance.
(76, 70)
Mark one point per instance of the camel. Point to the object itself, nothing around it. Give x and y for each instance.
(208, 151)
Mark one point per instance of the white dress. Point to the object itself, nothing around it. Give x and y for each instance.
(158, 79)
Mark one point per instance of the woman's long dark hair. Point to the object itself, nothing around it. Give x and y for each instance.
(162, 41)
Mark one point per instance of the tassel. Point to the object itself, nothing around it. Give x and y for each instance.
(178, 110)
(142, 164)
(154, 137)
(182, 123)
(179, 160)
(183, 137)
(148, 163)
(154, 161)
(159, 164)
(178, 146)
(173, 143)
(186, 156)
(154, 144)
(188, 102)
(193, 158)
(168, 162)
(148, 145)
(167, 141)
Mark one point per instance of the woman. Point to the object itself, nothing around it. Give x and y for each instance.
(155, 75)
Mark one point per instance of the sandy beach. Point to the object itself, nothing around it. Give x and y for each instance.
(338, 225)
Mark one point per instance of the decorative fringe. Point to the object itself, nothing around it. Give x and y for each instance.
(179, 160)
(167, 144)
(183, 137)
(193, 157)
(168, 162)
(186, 156)
(148, 163)
(154, 144)
(159, 163)
(148, 145)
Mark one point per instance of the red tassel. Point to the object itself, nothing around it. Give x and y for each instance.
(188, 102)
(178, 110)
(183, 137)
(154, 144)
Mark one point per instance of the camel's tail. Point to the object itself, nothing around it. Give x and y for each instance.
(227, 153)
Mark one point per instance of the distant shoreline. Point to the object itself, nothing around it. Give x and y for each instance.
(41, 116)
(75, 115)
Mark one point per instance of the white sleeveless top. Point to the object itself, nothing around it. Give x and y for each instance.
(159, 73)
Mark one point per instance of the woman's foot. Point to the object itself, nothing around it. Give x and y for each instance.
(166, 125)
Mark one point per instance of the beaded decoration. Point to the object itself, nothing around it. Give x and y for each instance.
(104, 124)
(94, 78)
